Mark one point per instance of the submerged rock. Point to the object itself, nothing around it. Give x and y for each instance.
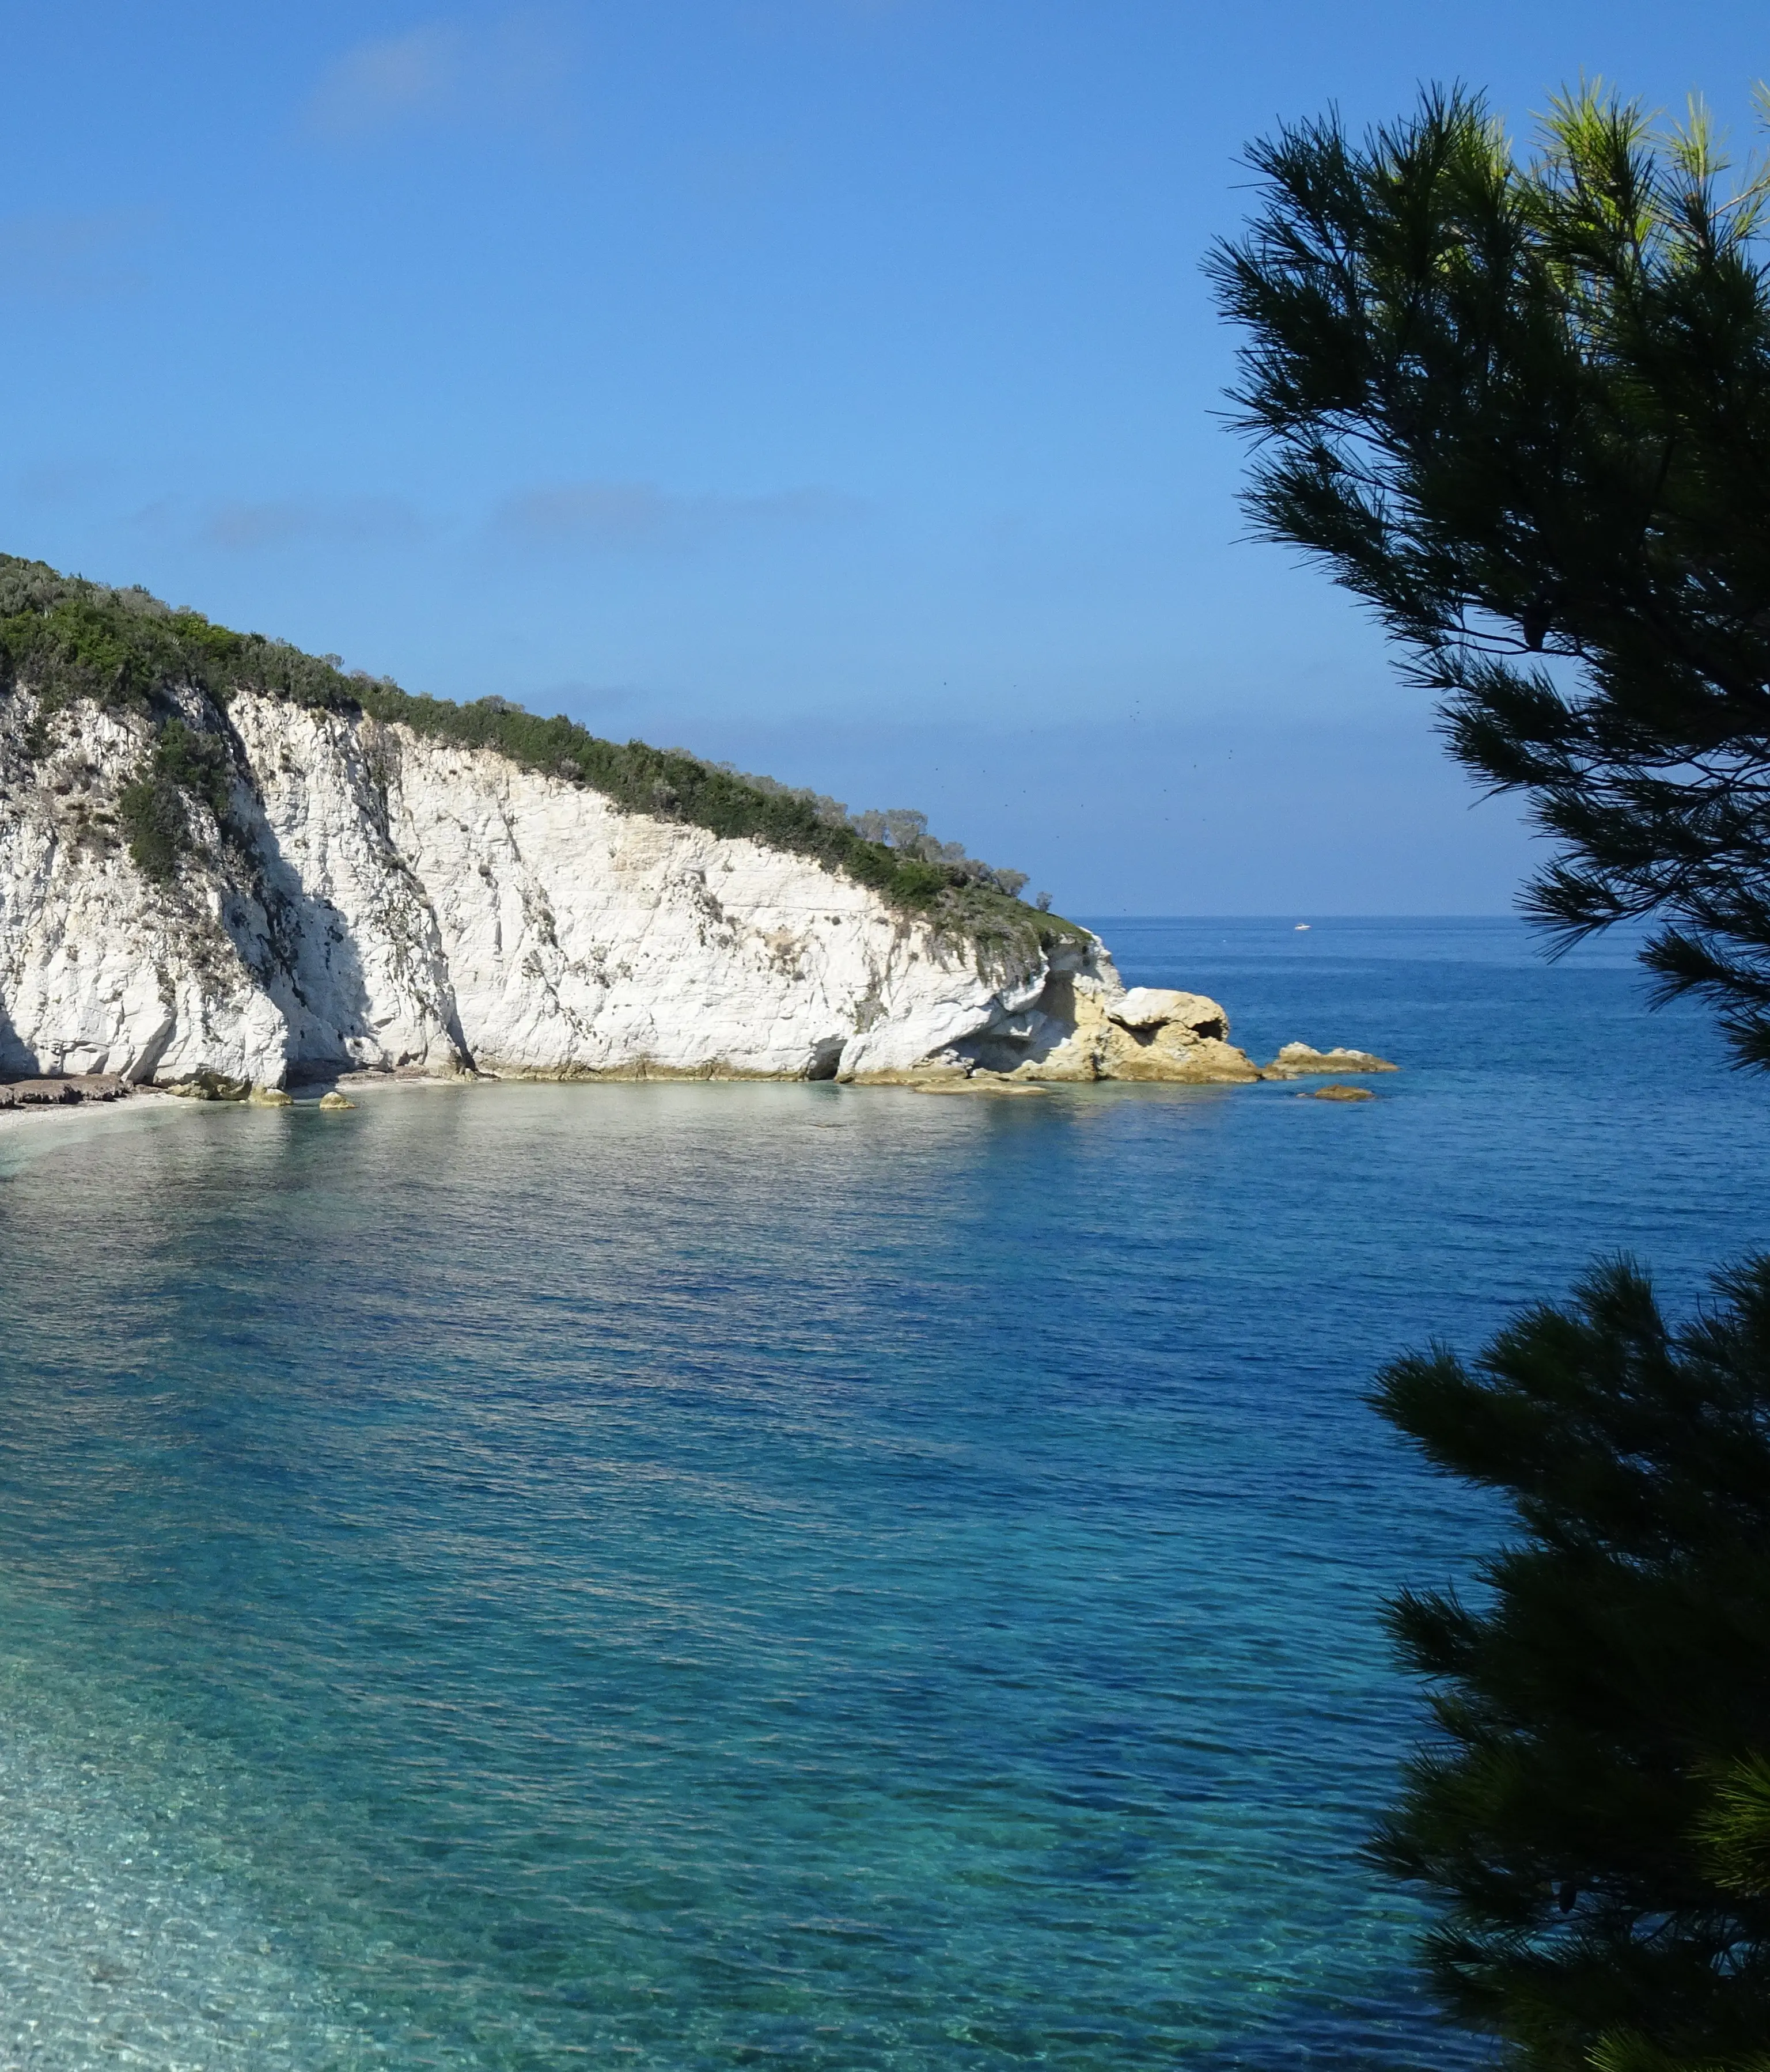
(1339, 1093)
(979, 1083)
(1297, 1060)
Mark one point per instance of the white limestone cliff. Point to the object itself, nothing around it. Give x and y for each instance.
(383, 900)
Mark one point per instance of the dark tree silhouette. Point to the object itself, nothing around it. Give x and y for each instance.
(1588, 1815)
(1524, 410)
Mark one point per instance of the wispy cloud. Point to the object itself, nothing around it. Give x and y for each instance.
(639, 515)
(60, 258)
(304, 522)
(377, 84)
(508, 71)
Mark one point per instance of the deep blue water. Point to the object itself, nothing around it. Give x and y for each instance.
(703, 1576)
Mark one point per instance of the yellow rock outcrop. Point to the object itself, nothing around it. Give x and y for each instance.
(1298, 1060)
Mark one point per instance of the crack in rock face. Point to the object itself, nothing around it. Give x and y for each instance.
(372, 900)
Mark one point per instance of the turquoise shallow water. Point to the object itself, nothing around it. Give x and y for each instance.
(694, 1577)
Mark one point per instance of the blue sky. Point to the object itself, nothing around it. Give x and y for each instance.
(825, 384)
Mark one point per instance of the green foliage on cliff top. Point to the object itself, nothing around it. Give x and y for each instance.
(69, 640)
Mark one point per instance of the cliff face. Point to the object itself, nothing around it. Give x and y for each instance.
(373, 899)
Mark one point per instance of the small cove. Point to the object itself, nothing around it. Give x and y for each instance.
(701, 1575)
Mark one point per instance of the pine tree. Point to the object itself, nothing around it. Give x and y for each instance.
(1595, 1820)
(1523, 409)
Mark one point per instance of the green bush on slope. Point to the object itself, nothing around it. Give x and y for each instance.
(184, 764)
(69, 641)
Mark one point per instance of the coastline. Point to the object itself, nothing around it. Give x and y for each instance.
(25, 1132)
(150, 1100)
(138, 1101)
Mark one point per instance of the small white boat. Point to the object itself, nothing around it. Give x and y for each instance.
(1302, 928)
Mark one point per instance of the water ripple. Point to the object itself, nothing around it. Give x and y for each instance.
(703, 1576)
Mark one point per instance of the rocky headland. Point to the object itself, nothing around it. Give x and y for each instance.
(226, 866)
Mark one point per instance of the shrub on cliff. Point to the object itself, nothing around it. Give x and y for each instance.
(69, 640)
(674, 785)
(898, 828)
(182, 765)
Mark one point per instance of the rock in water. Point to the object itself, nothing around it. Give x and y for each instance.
(335, 1103)
(204, 1084)
(269, 1097)
(1297, 1060)
(1083, 1025)
(1338, 1094)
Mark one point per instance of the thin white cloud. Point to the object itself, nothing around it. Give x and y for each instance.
(72, 258)
(443, 72)
(637, 516)
(380, 84)
(301, 521)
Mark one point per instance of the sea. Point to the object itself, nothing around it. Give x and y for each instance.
(702, 1576)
